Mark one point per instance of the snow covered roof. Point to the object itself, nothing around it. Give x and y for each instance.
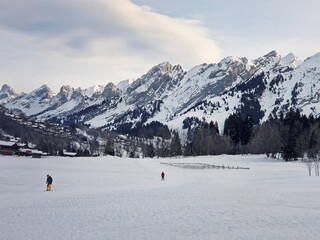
(24, 150)
(6, 143)
(21, 144)
(38, 152)
(33, 151)
(72, 154)
(31, 145)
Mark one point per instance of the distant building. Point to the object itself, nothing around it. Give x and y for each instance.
(20, 149)
(69, 154)
(24, 152)
(38, 154)
(8, 148)
(31, 152)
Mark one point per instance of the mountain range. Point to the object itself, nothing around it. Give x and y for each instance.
(168, 94)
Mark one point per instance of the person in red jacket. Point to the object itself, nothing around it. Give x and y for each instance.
(162, 176)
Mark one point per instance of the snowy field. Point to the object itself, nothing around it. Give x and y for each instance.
(116, 198)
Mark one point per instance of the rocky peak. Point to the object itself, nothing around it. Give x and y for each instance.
(271, 54)
(7, 93)
(65, 89)
(66, 92)
(110, 90)
(177, 68)
(166, 67)
(234, 62)
(93, 91)
(271, 57)
(163, 71)
(232, 67)
(44, 92)
(7, 89)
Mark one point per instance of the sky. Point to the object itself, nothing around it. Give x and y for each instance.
(82, 43)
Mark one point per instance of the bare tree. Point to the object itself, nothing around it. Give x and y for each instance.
(316, 165)
(309, 161)
(267, 139)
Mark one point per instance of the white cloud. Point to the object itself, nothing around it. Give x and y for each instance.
(116, 35)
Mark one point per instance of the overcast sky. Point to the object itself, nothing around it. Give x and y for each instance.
(92, 42)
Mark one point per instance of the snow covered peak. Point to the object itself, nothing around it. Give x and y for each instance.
(34, 102)
(230, 59)
(96, 89)
(43, 92)
(291, 60)
(312, 62)
(123, 85)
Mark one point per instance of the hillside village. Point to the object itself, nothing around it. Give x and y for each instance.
(14, 145)
(55, 139)
(45, 127)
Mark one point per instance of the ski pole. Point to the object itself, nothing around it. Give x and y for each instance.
(54, 187)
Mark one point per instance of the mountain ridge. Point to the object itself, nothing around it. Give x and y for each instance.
(270, 84)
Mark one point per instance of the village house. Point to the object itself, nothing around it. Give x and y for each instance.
(8, 148)
(20, 149)
(69, 154)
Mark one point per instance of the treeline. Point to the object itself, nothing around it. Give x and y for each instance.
(289, 136)
(153, 146)
(293, 135)
(149, 130)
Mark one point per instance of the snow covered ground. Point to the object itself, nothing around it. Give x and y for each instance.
(118, 198)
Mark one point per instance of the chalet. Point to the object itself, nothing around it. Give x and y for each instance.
(38, 154)
(24, 152)
(69, 154)
(8, 148)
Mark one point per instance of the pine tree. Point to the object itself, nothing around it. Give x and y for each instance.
(232, 127)
(109, 147)
(175, 145)
(246, 130)
(150, 151)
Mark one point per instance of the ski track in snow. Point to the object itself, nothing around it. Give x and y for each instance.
(113, 198)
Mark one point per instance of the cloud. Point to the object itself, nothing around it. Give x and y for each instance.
(108, 32)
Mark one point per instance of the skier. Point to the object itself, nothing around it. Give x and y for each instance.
(49, 182)
(162, 176)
